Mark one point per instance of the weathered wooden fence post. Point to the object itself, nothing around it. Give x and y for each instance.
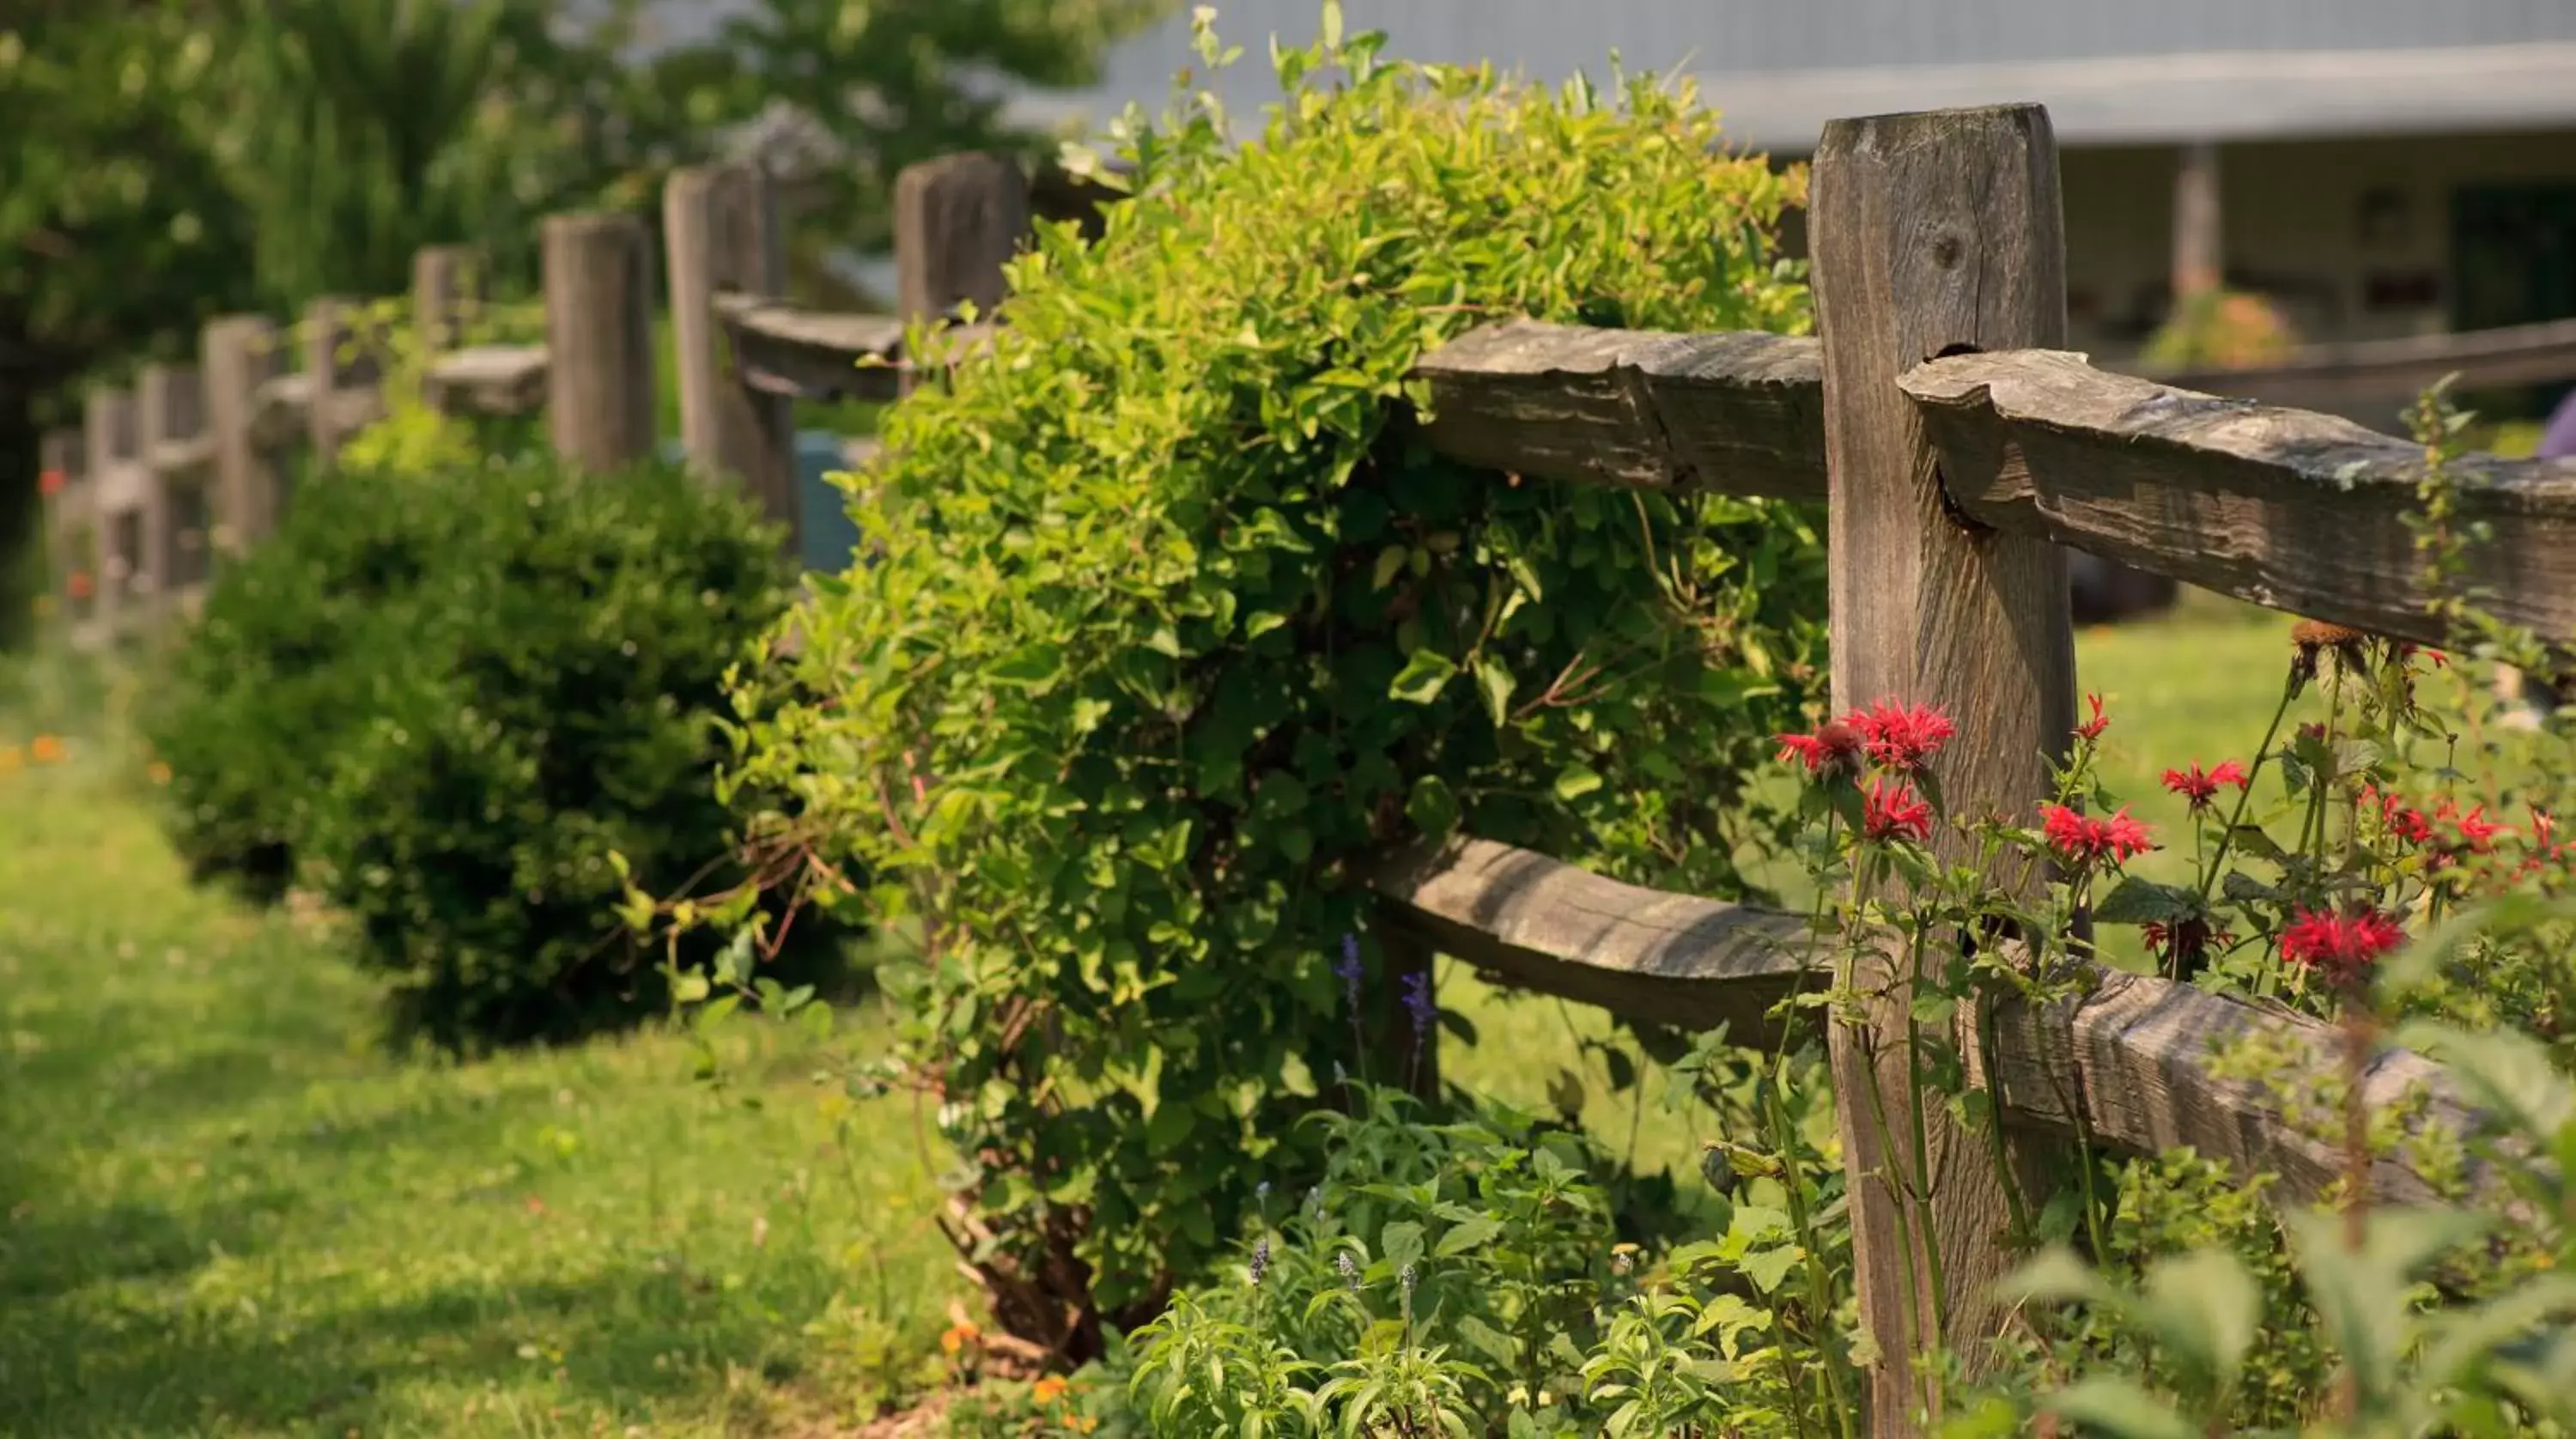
(237, 355)
(337, 359)
(957, 221)
(68, 517)
(721, 232)
(115, 490)
(172, 410)
(446, 284)
(599, 339)
(1934, 233)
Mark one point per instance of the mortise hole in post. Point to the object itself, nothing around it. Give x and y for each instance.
(1949, 507)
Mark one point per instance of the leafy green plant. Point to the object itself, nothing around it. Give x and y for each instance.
(1167, 630)
(456, 698)
(1468, 1278)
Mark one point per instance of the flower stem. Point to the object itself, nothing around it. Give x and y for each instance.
(2245, 796)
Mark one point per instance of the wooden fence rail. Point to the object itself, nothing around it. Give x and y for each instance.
(192, 463)
(1957, 448)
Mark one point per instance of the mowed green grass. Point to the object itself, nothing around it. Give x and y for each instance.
(224, 1210)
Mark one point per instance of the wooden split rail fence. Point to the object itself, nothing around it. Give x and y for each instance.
(1957, 448)
(193, 461)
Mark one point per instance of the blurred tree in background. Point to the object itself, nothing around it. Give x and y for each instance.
(177, 159)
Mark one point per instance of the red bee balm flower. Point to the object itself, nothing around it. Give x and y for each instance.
(2092, 729)
(2401, 819)
(1901, 739)
(2341, 947)
(1834, 745)
(2477, 832)
(1892, 810)
(2078, 839)
(2201, 786)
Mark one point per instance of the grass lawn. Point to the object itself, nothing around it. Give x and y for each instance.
(224, 1212)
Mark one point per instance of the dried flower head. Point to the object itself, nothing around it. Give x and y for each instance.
(2313, 639)
(1260, 1261)
(1836, 746)
(1348, 1268)
(2183, 944)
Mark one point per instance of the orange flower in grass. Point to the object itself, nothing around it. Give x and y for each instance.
(958, 1338)
(1048, 1390)
(48, 749)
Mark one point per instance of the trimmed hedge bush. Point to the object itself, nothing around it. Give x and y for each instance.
(1173, 633)
(445, 696)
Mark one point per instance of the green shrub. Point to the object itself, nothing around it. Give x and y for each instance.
(447, 695)
(278, 671)
(1172, 631)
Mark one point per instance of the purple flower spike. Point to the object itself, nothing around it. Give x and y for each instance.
(1349, 970)
(1419, 1003)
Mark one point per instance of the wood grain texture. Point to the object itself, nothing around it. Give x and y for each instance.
(783, 349)
(600, 388)
(1933, 232)
(487, 380)
(2135, 1062)
(1666, 959)
(957, 221)
(2393, 371)
(2298, 511)
(721, 232)
(1741, 413)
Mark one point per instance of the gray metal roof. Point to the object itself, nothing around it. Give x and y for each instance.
(2111, 71)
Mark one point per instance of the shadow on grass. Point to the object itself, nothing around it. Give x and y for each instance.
(630, 1340)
